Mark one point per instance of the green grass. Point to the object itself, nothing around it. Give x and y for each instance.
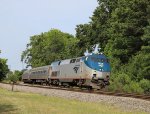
(26, 103)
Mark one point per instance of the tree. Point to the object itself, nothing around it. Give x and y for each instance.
(13, 77)
(96, 30)
(48, 47)
(127, 24)
(3, 68)
(18, 74)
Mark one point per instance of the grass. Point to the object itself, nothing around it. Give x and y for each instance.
(27, 103)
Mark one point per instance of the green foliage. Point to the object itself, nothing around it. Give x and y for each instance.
(119, 81)
(48, 47)
(126, 29)
(123, 83)
(83, 33)
(3, 68)
(145, 85)
(97, 30)
(139, 67)
(13, 77)
(135, 87)
(18, 74)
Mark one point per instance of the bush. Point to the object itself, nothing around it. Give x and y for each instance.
(121, 82)
(115, 86)
(118, 81)
(127, 89)
(123, 78)
(145, 85)
(135, 87)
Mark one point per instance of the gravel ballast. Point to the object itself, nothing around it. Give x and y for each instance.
(125, 103)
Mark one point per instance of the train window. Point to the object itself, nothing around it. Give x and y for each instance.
(72, 60)
(59, 62)
(96, 59)
(55, 73)
(99, 60)
(78, 60)
(44, 71)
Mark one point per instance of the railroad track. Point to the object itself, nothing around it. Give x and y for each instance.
(75, 89)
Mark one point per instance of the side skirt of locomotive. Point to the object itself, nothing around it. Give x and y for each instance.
(68, 82)
(80, 82)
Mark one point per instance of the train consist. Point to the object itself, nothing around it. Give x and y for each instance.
(91, 71)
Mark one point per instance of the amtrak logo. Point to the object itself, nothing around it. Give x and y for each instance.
(100, 64)
(76, 68)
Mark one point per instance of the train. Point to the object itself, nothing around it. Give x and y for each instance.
(90, 71)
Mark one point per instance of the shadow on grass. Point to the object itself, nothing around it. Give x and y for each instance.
(5, 108)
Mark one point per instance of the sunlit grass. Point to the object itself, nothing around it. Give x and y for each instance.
(26, 103)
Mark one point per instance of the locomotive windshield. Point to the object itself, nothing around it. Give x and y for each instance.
(102, 60)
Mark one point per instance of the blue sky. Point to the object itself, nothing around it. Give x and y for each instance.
(20, 19)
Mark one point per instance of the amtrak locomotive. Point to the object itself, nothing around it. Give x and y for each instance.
(91, 71)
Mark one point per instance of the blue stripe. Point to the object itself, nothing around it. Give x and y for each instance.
(97, 62)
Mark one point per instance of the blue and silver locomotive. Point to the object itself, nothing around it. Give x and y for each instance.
(91, 70)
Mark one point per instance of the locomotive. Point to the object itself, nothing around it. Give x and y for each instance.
(91, 71)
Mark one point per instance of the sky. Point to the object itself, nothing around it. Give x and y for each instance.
(20, 19)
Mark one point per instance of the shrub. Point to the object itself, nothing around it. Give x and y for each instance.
(145, 85)
(123, 78)
(135, 87)
(126, 88)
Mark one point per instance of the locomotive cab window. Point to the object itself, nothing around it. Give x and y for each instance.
(96, 59)
(99, 60)
(72, 60)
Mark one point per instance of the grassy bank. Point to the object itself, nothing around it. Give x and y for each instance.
(26, 103)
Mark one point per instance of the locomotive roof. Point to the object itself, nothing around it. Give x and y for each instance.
(68, 61)
(63, 62)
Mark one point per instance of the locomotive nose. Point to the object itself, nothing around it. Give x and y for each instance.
(101, 75)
